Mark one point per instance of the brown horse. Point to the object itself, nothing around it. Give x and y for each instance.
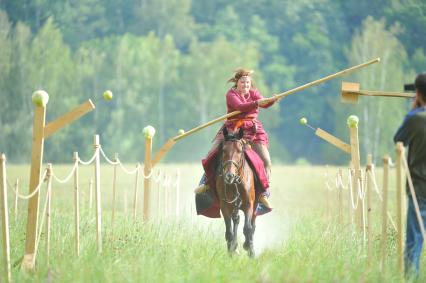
(235, 187)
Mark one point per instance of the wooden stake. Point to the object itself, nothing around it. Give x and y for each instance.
(98, 194)
(340, 196)
(159, 196)
(68, 118)
(135, 197)
(399, 208)
(177, 190)
(48, 210)
(90, 194)
(369, 209)
(114, 184)
(76, 206)
(16, 199)
(35, 176)
(147, 181)
(5, 219)
(333, 140)
(166, 196)
(383, 241)
(356, 164)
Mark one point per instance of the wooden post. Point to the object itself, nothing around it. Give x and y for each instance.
(147, 181)
(98, 194)
(76, 206)
(40, 132)
(399, 206)
(90, 194)
(35, 176)
(158, 180)
(166, 196)
(355, 163)
(15, 210)
(369, 181)
(177, 189)
(114, 184)
(125, 202)
(351, 188)
(5, 219)
(135, 196)
(48, 210)
(340, 195)
(383, 241)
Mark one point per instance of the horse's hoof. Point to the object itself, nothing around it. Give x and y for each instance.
(246, 246)
(251, 253)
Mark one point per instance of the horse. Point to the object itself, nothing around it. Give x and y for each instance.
(235, 185)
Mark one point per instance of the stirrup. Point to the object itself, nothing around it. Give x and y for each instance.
(201, 189)
(264, 200)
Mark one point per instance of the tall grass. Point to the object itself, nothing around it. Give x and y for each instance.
(297, 242)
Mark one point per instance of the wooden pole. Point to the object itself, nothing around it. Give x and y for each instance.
(35, 176)
(283, 94)
(350, 193)
(90, 194)
(399, 211)
(135, 196)
(383, 241)
(125, 202)
(48, 211)
(16, 199)
(114, 185)
(166, 147)
(159, 195)
(98, 194)
(68, 118)
(76, 206)
(5, 219)
(333, 140)
(356, 164)
(166, 196)
(340, 195)
(177, 190)
(147, 179)
(369, 209)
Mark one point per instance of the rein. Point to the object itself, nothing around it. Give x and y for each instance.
(238, 179)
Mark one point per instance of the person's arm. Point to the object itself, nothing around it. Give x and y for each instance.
(264, 103)
(234, 102)
(406, 131)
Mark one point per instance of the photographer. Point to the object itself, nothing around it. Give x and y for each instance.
(412, 133)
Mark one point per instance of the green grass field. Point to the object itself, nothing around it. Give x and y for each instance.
(300, 241)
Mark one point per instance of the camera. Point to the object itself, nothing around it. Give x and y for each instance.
(409, 87)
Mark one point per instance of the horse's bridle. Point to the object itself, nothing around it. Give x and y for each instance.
(240, 170)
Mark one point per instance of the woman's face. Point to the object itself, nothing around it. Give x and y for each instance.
(244, 84)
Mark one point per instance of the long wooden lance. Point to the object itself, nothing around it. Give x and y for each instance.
(169, 144)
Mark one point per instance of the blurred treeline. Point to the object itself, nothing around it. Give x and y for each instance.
(167, 62)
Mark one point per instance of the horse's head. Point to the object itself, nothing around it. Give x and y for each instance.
(232, 156)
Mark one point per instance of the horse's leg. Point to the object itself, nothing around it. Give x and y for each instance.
(229, 235)
(248, 232)
(236, 221)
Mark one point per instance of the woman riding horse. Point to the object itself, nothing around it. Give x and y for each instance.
(244, 97)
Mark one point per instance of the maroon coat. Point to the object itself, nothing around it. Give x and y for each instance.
(247, 120)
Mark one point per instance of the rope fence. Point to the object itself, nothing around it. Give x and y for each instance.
(360, 193)
(167, 187)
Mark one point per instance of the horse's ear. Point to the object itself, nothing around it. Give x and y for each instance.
(225, 132)
(240, 133)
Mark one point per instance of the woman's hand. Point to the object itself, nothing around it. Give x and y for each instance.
(265, 101)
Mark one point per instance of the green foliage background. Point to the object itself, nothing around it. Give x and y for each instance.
(167, 63)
